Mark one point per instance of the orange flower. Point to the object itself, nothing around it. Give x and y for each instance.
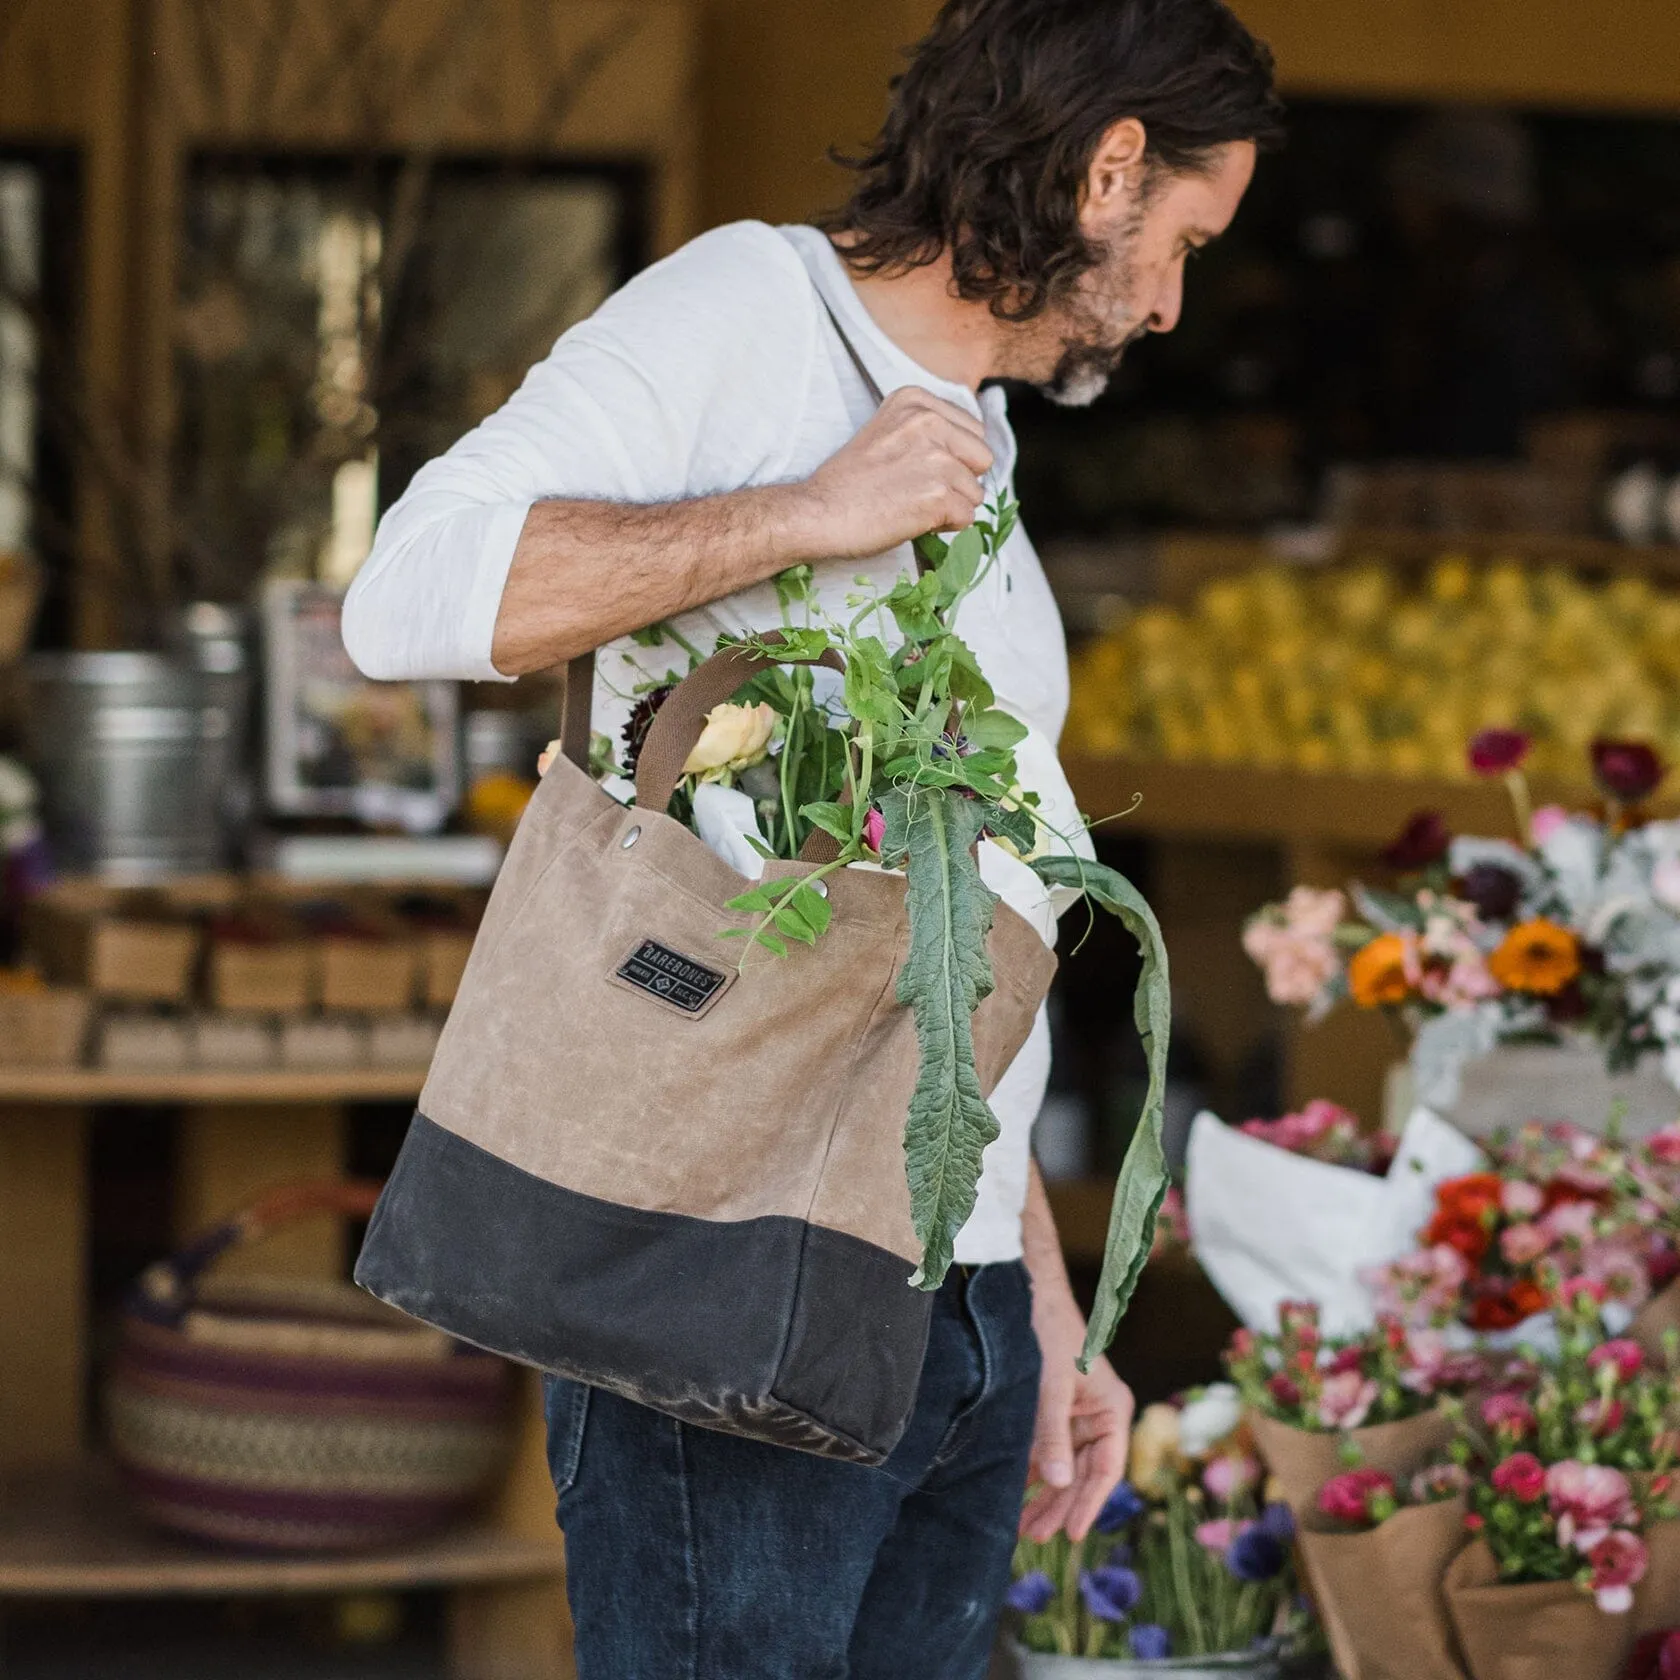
(1538, 957)
(1385, 971)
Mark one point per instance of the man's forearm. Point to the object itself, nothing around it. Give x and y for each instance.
(1043, 1248)
(586, 572)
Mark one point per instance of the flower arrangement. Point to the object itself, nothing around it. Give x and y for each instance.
(1573, 928)
(1308, 1381)
(1186, 1559)
(1364, 1498)
(1324, 1131)
(911, 766)
(1558, 1208)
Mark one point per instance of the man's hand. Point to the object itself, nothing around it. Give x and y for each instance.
(1083, 1432)
(916, 467)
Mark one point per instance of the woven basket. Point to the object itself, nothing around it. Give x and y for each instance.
(276, 1415)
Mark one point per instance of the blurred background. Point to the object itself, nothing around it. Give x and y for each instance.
(1410, 466)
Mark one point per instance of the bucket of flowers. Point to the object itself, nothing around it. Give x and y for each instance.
(1187, 1572)
(1566, 935)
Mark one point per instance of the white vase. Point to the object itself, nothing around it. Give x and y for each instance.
(1516, 1083)
(1263, 1662)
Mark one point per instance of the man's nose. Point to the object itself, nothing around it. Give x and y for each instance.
(1170, 304)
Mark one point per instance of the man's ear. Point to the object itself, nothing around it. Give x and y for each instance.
(1117, 168)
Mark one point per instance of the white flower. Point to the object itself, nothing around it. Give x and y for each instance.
(1665, 883)
(17, 788)
(734, 738)
(1207, 1419)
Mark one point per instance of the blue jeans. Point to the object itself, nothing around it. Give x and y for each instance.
(693, 1555)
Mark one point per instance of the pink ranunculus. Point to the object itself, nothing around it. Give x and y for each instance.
(1522, 1476)
(1601, 1417)
(1520, 1199)
(1627, 1356)
(1588, 1500)
(1578, 1175)
(1221, 1535)
(1619, 1271)
(1508, 1414)
(1618, 1562)
(1358, 1496)
(1297, 966)
(1421, 1288)
(1546, 822)
(1664, 1146)
(1345, 1400)
(1310, 910)
(1522, 1245)
(1439, 1481)
(874, 829)
(1230, 1476)
(1570, 1222)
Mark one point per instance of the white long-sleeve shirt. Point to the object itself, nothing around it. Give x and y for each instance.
(717, 370)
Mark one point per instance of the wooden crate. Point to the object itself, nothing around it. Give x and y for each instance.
(260, 961)
(128, 946)
(43, 1026)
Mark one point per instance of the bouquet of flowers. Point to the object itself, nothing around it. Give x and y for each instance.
(1324, 1131)
(1185, 1559)
(911, 766)
(1369, 1525)
(1314, 1401)
(1573, 928)
(1557, 1206)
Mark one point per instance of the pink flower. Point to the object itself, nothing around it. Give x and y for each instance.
(1358, 1496)
(1496, 752)
(1221, 1535)
(1546, 822)
(1308, 910)
(1230, 1476)
(1627, 1356)
(1618, 1565)
(1520, 1199)
(1664, 1146)
(1619, 1272)
(1665, 883)
(1420, 1288)
(874, 829)
(1521, 1245)
(1508, 1414)
(1439, 1481)
(1601, 1417)
(1345, 1400)
(1294, 943)
(1588, 1500)
(1522, 1476)
(1570, 1222)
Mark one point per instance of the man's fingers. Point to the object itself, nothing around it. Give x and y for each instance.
(913, 396)
(1052, 1452)
(1101, 1466)
(1045, 1513)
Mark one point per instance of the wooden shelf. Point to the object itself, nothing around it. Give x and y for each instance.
(69, 1534)
(104, 1085)
(1225, 802)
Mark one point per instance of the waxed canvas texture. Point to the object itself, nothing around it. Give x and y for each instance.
(778, 1105)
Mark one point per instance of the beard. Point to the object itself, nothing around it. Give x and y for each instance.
(1091, 352)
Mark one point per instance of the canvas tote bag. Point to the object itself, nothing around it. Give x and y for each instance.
(644, 1165)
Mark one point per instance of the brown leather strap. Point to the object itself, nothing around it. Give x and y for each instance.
(677, 724)
(576, 703)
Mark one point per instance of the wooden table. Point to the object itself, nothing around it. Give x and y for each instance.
(62, 1534)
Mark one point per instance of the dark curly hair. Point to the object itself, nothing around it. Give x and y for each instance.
(993, 127)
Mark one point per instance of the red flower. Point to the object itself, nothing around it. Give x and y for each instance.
(1655, 1657)
(1508, 1414)
(1466, 1210)
(1358, 1496)
(1506, 1309)
(1494, 752)
(1601, 1417)
(1627, 771)
(1423, 841)
(1522, 1476)
(1627, 1356)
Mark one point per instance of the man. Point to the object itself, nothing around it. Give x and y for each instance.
(1046, 170)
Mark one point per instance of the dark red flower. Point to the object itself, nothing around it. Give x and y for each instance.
(640, 722)
(1423, 841)
(1495, 751)
(1495, 892)
(1627, 771)
(1655, 1657)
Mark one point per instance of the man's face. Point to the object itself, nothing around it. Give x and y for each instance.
(1073, 349)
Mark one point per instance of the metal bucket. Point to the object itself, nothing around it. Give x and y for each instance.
(1264, 1662)
(135, 753)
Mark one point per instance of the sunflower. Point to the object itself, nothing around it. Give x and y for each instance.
(1537, 957)
(1385, 971)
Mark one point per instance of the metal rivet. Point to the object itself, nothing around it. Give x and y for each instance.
(820, 888)
(631, 838)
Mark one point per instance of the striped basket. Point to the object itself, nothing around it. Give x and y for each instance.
(276, 1415)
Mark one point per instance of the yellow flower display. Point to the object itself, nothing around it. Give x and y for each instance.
(1364, 669)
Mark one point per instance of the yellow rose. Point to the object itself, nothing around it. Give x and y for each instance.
(735, 738)
(1154, 1450)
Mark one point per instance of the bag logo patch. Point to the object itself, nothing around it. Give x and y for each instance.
(671, 977)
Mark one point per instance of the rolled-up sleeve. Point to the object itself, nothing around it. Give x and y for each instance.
(668, 391)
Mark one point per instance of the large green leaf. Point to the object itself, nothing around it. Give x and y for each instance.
(1143, 1174)
(945, 975)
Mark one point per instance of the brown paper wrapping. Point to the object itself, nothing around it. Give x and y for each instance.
(1381, 1595)
(1542, 1631)
(1304, 1460)
(1656, 1600)
(1660, 1313)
